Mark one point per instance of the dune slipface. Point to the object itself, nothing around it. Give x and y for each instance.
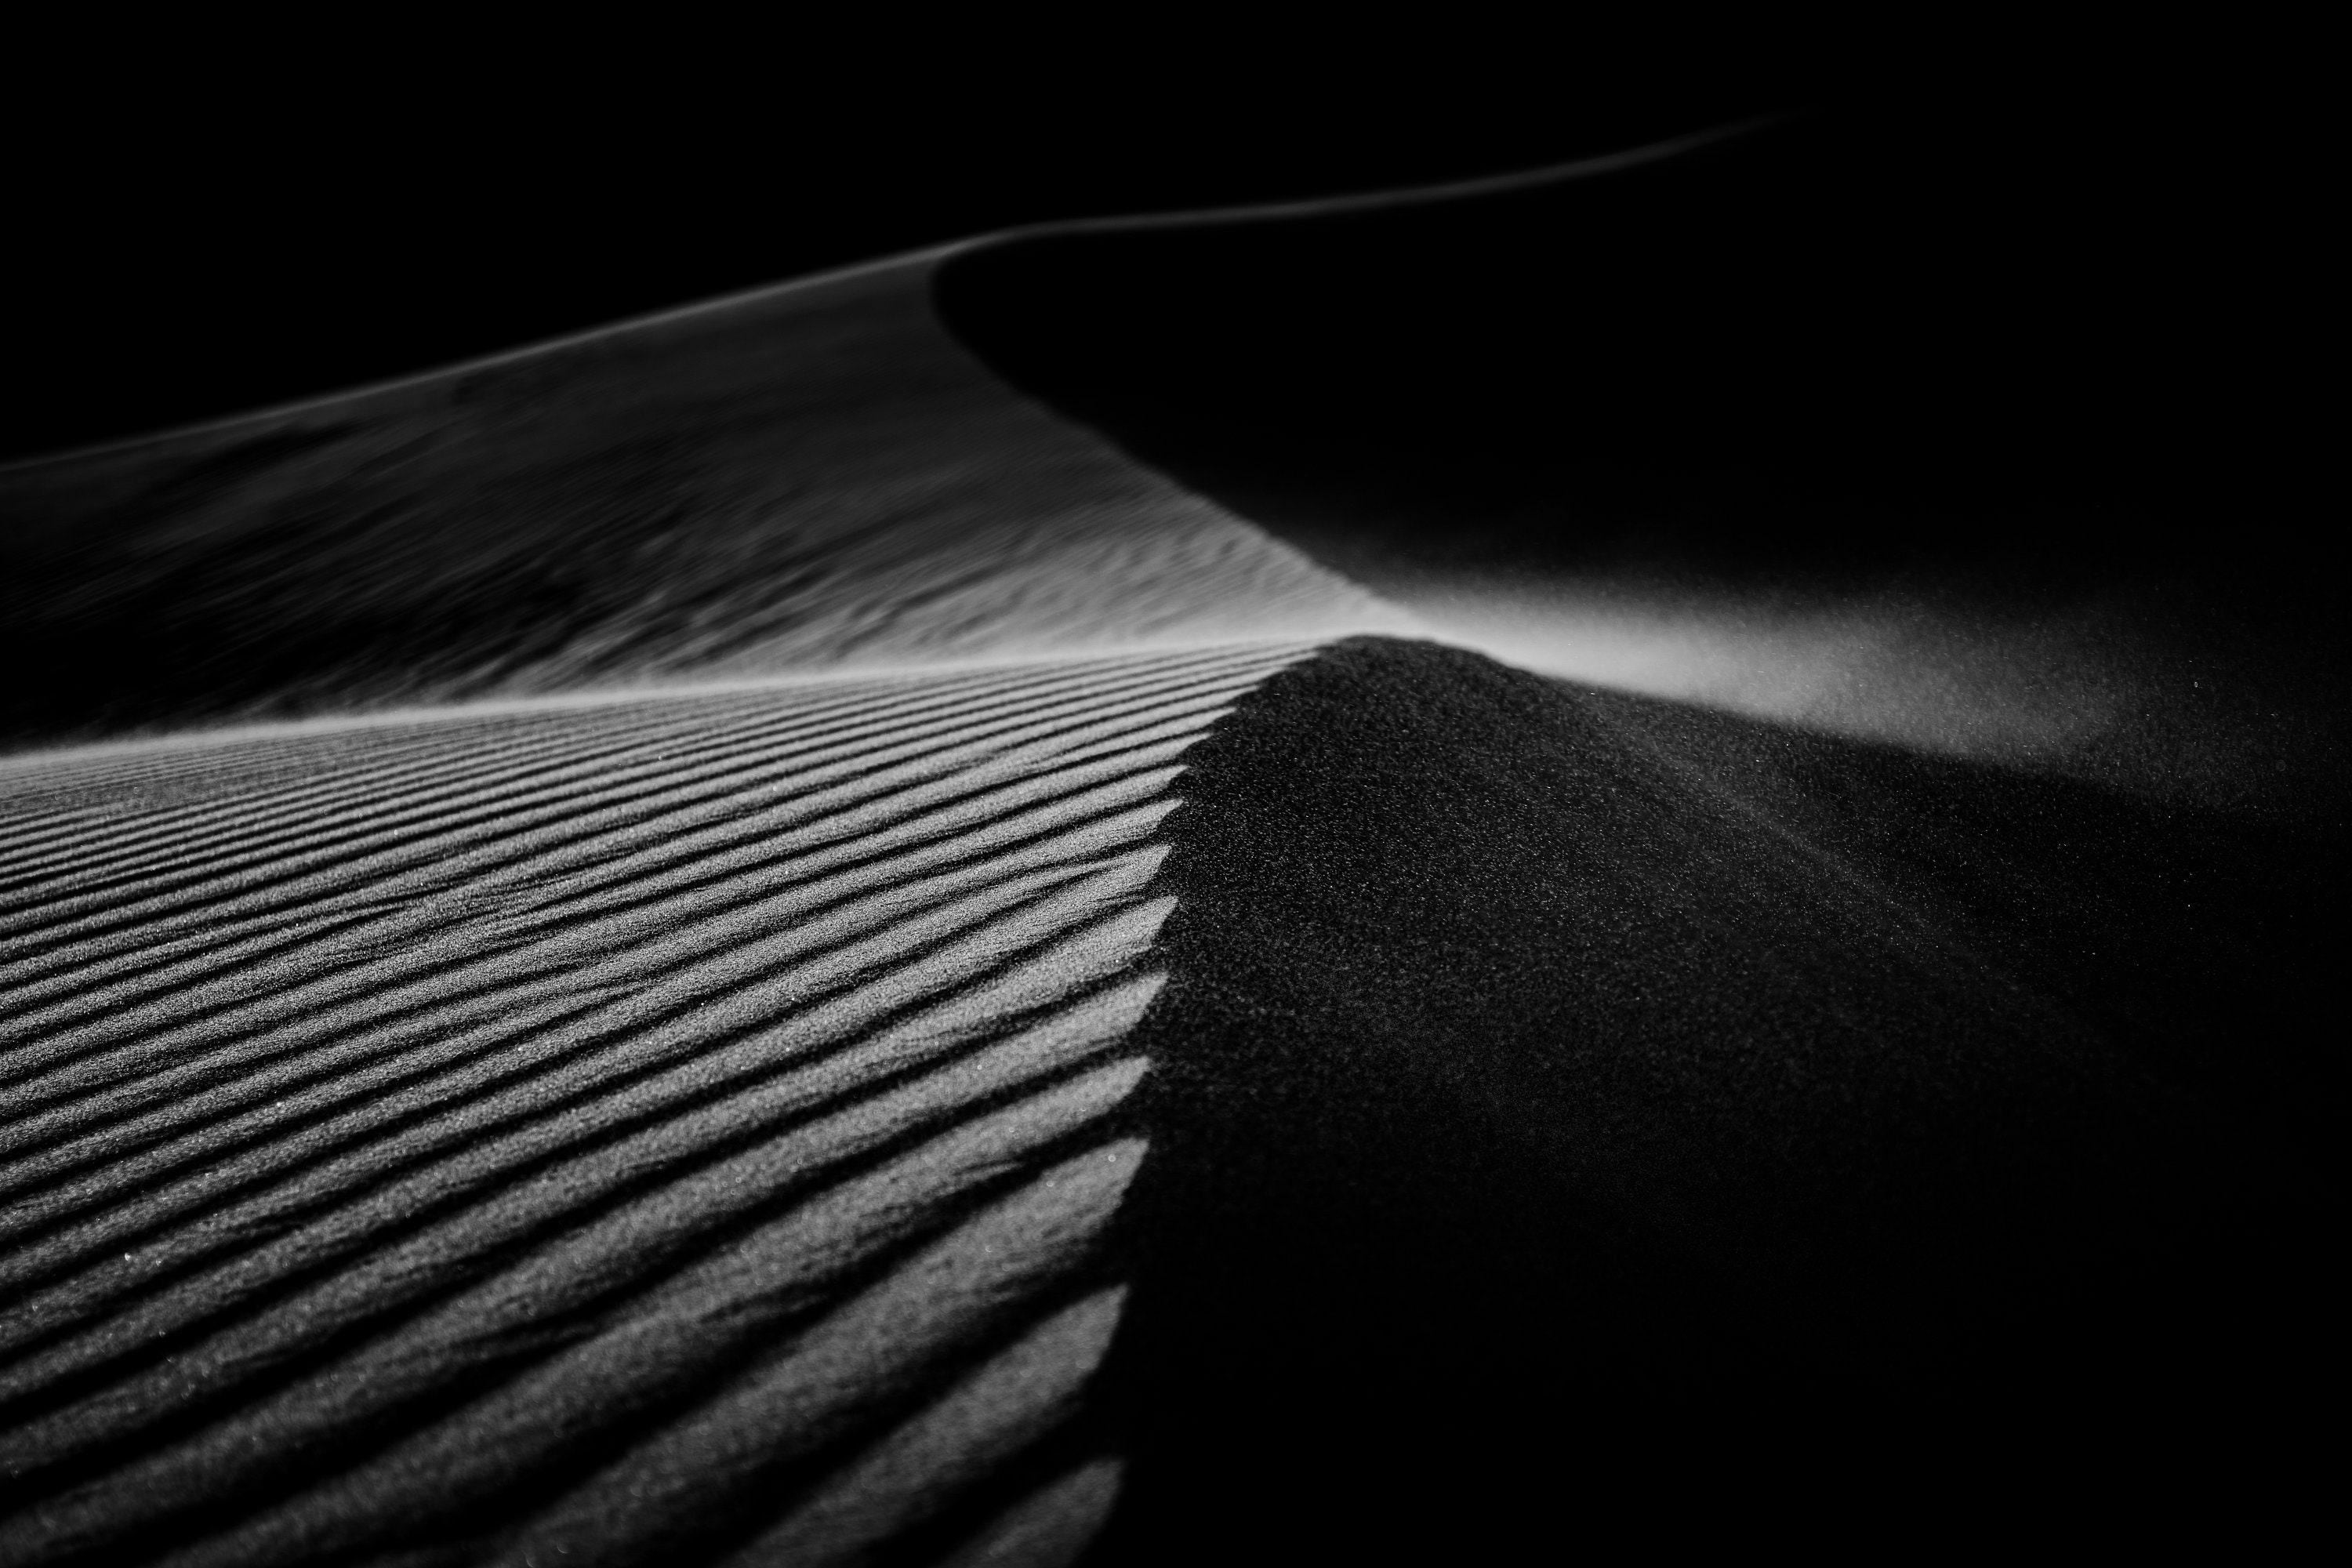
(1579, 1117)
(606, 1132)
(1853, 423)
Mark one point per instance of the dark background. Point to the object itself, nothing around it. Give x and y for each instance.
(204, 223)
(2017, 351)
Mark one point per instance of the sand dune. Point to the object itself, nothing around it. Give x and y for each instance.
(860, 1117)
(612, 1127)
(1855, 425)
(1579, 1117)
(726, 941)
(654, 1108)
(812, 475)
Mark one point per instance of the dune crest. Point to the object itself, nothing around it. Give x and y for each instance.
(815, 476)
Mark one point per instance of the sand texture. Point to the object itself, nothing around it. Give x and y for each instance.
(1581, 1118)
(617, 1128)
(731, 942)
(810, 476)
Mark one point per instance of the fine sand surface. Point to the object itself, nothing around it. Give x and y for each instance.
(729, 941)
(1579, 1117)
(808, 477)
(617, 1130)
(1248, 1104)
(655, 1109)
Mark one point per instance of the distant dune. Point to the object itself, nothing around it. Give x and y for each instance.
(810, 476)
(1864, 427)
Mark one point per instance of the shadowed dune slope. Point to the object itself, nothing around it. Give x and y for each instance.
(812, 475)
(1578, 1117)
(637, 1130)
(871, 1119)
(1942, 428)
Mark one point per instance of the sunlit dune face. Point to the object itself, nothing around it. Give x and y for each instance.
(698, 1115)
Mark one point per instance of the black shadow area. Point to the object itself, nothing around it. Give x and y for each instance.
(2020, 362)
(1578, 1117)
(2014, 340)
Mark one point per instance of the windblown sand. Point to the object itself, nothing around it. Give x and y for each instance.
(608, 1130)
(793, 960)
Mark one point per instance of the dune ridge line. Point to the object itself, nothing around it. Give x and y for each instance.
(635, 1126)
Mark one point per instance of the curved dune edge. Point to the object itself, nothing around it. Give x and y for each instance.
(752, 1127)
(1843, 424)
(1577, 1116)
(1271, 211)
(680, 1125)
